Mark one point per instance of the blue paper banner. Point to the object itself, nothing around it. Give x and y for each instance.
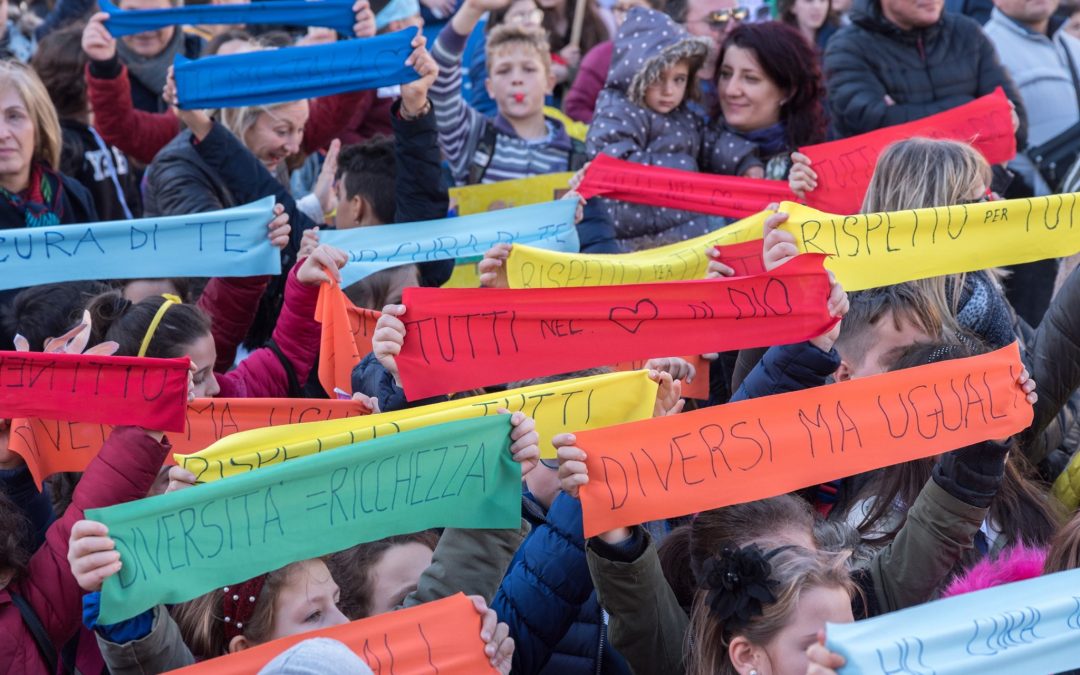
(336, 14)
(1030, 626)
(397, 10)
(549, 225)
(294, 73)
(227, 243)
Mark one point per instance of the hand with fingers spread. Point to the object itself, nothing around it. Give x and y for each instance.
(715, 268)
(821, 660)
(669, 399)
(801, 179)
(323, 261)
(388, 338)
(414, 95)
(92, 555)
(492, 268)
(525, 447)
(279, 228)
(324, 185)
(365, 19)
(97, 42)
(498, 645)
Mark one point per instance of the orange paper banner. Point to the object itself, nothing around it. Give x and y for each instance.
(52, 446)
(346, 337)
(437, 637)
(698, 389)
(674, 466)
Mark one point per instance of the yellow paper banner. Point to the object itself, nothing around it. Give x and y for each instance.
(570, 405)
(880, 249)
(505, 194)
(535, 268)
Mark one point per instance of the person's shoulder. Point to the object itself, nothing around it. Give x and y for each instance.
(80, 200)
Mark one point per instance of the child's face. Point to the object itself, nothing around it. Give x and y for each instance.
(308, 601)
(668, 92)
(517, 81)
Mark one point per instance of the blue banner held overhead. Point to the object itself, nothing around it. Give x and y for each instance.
(336, 14)
(549, 225)
(295, 73)
(227, 243)
(1030, 626)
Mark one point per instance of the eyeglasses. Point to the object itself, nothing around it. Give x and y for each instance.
(721, 17)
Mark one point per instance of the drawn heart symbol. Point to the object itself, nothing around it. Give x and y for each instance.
(630, 320)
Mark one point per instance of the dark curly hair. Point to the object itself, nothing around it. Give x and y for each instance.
(60, 62)
(14, 537)
(791, 64)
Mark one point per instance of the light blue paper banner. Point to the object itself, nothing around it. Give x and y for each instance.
(227, 243)
(1030, 626)
(294, 73)
(549, 225)
(336, 14)
(396, 10)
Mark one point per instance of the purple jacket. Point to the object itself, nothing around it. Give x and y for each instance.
(580, 100)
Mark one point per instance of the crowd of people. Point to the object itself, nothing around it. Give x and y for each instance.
(93, 130)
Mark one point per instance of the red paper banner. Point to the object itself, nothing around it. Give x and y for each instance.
(345, 339)
(844, 167)
(732, 196)
(437, 637)
(150, 393)
(53, 446)
(458, 339)
(745, 258)
(673, 466)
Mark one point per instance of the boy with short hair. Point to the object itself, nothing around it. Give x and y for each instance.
(519, 141)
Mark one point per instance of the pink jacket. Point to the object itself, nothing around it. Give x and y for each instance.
(123, 471)
(580, 100)
(231, 303)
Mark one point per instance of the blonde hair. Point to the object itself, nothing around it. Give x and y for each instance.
(920, 173)
(518, 35)
(47, 138)
(1064, 552)
(795, 570)
(240, 120)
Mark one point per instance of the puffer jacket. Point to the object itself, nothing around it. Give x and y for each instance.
(178, 181)
(647, 43)
(123, 471)
(548, 600)
(924, 71)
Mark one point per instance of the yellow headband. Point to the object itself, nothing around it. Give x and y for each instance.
(170, 300)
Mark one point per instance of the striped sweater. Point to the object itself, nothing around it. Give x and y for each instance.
(461, 128)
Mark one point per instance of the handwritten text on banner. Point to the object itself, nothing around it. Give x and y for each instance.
(227, 243)
(530, 267)
(549, 225)
(739, 452)
(150, 393)
(1030, 626)
(52, 446)
(580, 403)
(459, 339)
(436, 637)
(179, 545)
(294, 73)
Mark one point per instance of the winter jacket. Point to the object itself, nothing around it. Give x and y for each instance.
(159, 651)
(786, 368)
(463, 130)
(647, 43)
(1039, 66)
(580, 100)
(232, 302)
(102, 169)
(924, 71)
(143, 134)
(548, 601)
(123, 471)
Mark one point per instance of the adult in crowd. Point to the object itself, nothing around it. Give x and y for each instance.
(900, 61)
(1043, 61)
(102, 168)
(770, 92)
(813, 18)
(714, 19)
(559, 18)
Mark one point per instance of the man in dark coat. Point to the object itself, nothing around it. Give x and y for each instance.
(901, 60)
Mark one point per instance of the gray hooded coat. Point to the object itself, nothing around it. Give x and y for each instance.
(647, 43)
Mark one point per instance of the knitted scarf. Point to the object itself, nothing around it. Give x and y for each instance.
(40, 204)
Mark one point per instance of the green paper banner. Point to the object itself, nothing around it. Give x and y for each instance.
(177, 546)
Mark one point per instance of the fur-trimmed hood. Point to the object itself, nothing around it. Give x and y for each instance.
(647, 43)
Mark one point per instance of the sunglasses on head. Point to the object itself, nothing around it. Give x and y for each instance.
(722, 16)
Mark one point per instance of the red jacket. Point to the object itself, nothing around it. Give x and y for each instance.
(123, 471)
(231, 304)
(580, 101)
(141, 134)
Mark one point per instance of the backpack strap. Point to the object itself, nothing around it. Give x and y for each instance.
(578, 155)
(483, 154)
(41, 637)
(294, 382)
